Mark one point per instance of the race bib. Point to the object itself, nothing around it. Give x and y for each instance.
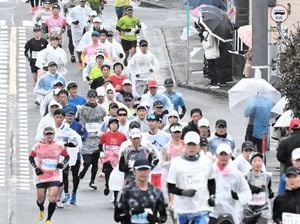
(92, 127)
(258, 199)
(193, 181)
(49, 164)
(290, 218)
(56, 30)
(34, 54)
(140, 218)
(132, 32)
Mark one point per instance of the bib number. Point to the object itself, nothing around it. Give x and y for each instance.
(140, 218)
(92, 127)
(49, 164)
(258, 199)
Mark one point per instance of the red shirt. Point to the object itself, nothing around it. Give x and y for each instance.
(111, 142)
(117, 81)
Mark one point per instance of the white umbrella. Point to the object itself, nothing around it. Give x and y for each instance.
(285, 119)
(248, 88)
(279, 106)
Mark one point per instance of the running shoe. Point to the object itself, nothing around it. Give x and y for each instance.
(66, 198)
(106, 191)
(73, 199)
(40, 215)
(48, 222)
(73, 59)
(92, 186)
(215, 87)
(59, 204)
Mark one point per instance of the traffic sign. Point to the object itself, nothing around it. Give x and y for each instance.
(279, 13)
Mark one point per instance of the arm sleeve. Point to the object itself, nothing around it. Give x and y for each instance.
(281, 154)
(121, 212)
(174, 190)
(161, 209)
(32, 161)
(211, 186)
(276, 213)
(123, 167)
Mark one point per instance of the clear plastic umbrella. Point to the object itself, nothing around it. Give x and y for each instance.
(248, 88)
(285, 119)
(279, 106)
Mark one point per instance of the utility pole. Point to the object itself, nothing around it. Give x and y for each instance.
(260, 36)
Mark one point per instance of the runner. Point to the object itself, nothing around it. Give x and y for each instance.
(140, 201)
(45, 159)
(91, 116)
(34, 45)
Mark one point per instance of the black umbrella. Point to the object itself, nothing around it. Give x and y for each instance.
(215, 21)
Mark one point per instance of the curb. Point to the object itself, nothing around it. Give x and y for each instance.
(223, 94)
(151, 4)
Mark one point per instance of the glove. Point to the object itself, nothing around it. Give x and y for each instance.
(70, 144)
(38, 171)
(137, 31)
(75, 22)
(121, 55)
(165, 112)
(212, 200)
(234, 195)
(137, 210)
(189, 192)
(87, 78)
(151, 70)
(152, 218)
(271, 195)
(181, 116)
(60, 166)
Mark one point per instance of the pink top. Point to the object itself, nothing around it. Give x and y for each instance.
(90, 52)
(47, 157)
(111, 142)
(55, 24)
(174, 150)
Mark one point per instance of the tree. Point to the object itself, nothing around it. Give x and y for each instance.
(289, 67)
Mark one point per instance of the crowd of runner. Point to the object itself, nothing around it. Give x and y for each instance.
(131, 133)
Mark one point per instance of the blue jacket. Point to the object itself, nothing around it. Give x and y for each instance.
(259, 111)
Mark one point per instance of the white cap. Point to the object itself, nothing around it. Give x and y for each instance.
(176, 128)
(101, 91)
(223, 147)
(93, 13)
(144, 104)
(126, 81)
(191, 137)
(296, 154)
(135, 133)
(110, 87)
(97, 20)
(203, 122)
(173, 113)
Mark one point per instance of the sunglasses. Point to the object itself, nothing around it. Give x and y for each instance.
(92, 96)
(144, 45)
(122, 115)
(110, 35)
(159, 107)
(127, 100)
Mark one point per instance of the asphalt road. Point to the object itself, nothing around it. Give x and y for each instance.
(17, 193)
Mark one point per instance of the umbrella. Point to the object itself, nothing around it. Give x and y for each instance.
(279, 106)
(195, 3)
(285, 119)
(215, 21)
(245, 34)
(248, 88)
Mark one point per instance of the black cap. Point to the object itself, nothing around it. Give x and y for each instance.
(91, 93)
(203, 141)
(152, 117)
(55, 5)
(248, 145)
(129, 8)
(256, 155)
(113, 119)
(158, 103)
(143, 42)
(52, 63)
(113, 105)
(141, 164)
(72, 85)
(221, 122)
(37, 28)
(134, 124)
(168, 82)
(292, 171)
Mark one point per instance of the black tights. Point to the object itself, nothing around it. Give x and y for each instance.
(34, 3)
(75, 177)
(107, 169)
(70, 46)
(90, 159)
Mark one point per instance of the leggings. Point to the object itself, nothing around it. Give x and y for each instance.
(75, 171)
(107, 169)
(34, 3)
(90, 159)
(70, 46)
